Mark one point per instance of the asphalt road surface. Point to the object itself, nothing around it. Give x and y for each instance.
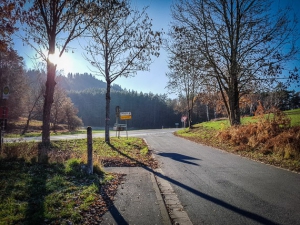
(216, 187)
(130, 133)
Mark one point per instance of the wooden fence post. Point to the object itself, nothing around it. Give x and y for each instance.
(89, 150)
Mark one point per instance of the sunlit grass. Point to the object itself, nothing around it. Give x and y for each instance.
(221, 124)
(295, 116)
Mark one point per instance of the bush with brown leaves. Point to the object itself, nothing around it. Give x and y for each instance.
(270, 134)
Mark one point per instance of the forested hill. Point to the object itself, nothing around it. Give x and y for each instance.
(71, 82)
(88, 95)
(148, 110)
(80, 82)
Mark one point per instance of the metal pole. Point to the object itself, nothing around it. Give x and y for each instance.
(126, 130)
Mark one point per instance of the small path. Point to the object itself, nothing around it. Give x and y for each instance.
(138, 200)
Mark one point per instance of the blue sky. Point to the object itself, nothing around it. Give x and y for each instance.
(153, 81)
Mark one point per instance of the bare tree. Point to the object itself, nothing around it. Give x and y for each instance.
(52, 25)
(34, 97)
(122, 44)
(184, 79)
(57, 110)
(71, 118)
(242, 41)
(186, 71)
(64, 111)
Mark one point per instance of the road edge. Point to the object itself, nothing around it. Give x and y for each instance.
(166, 196)
(163, 209)
(176, 211)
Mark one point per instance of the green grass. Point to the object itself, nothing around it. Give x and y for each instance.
(60, 191)
(216, 125)
(33, 193)
(294, 115)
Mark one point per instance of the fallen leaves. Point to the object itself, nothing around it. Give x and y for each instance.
(103, 201)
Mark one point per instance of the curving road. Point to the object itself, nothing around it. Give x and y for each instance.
(130, 133)
(216, 187)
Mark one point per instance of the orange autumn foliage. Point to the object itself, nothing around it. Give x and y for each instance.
(270, 134)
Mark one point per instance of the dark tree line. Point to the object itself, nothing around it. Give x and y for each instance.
(148, 110)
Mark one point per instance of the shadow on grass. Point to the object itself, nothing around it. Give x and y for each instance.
(37, 187)
(37, 191)
(242, 212)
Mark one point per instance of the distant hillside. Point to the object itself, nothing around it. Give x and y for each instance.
(80, 82)
(73, 82)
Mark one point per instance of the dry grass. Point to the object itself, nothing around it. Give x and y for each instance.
(267, 137)
(15, 127)
(268, 134)
(271, 136)
(121, 151)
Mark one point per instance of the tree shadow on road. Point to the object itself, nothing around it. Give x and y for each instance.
(179, 158)
(242, 212)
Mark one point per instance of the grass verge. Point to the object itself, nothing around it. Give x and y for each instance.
(60, 191)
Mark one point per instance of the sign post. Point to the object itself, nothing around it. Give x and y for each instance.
(183, 120)
(125, 116)
(89, 150)
(119, 127)
(5, 92)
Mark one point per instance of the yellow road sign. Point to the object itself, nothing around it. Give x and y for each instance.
(125, 115)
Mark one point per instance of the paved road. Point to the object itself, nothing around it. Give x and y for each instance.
(130, 133)
(216, 187)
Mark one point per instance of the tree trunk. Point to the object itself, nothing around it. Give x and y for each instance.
(107, 111)
(234, 106)
(190, 118)
(207, 112)
(27, 125)
(50, 85)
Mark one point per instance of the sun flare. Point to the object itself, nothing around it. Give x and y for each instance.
(54, 58)
(62, 63)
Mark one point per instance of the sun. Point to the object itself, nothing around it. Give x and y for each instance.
(54, 58)
(63, 63)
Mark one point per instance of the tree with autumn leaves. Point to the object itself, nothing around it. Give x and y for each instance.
(10, 13)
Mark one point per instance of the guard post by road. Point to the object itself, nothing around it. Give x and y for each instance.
(89, 151)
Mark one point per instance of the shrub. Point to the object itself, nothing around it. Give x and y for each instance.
(270, 134)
